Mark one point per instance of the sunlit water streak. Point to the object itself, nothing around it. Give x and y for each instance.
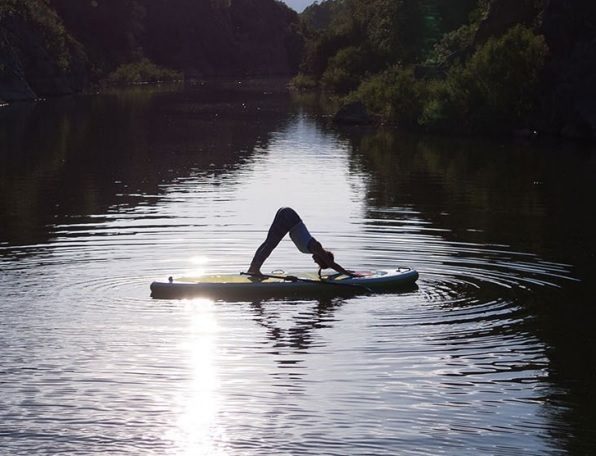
(92, 365)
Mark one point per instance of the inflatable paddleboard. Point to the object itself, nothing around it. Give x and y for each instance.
(243, 287)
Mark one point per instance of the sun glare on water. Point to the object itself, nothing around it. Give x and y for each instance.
(198, 403)
(199, 266)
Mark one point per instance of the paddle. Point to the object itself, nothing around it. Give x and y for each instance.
(291, 278)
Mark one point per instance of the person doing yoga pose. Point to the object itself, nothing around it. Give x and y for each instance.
(288, 221)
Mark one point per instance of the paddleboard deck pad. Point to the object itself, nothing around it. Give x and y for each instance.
(243, 287)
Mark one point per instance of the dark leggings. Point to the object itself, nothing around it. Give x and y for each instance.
(285, 219)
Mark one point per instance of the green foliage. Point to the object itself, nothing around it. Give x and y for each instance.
(459, 40)
(58, 46)
(318, 16)
(385, 33)
(480, 12)
(206, 37)
(40, 20)
(303, 82)
(451, 44)
(318, 51)
(140, 72)
(110, 30)
(345, 69)
(395, 95)
(395, 29)
(497, 87)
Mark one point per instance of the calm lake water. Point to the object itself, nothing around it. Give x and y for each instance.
(493, 354)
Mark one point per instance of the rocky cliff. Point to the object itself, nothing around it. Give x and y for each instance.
(51, 47)
(37, 56)
(223, 37)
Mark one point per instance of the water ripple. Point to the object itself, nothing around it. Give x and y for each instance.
(90, 364)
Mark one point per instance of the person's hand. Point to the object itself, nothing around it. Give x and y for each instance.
(354, 274)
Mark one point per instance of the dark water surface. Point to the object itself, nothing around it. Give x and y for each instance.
(493, 354)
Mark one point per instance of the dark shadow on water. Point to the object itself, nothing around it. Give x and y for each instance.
(525, 197)
(308, 317)
(87, 155)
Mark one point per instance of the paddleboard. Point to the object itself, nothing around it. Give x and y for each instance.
(243, 287)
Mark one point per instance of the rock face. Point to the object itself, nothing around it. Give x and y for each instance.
(37, 58)
(569, 30)
(246, 37)
(13, 83)
(199, 37)
(54, 47)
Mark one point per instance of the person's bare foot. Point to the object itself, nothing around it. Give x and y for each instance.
(254, 275)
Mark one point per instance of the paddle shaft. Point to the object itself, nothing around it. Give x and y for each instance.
(291, 278)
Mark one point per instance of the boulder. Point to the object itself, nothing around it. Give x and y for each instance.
(354, 113)
(13, 85)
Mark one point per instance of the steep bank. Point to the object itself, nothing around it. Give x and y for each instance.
(207, 38)
(37, 56)
(224, 37)
(52, 47)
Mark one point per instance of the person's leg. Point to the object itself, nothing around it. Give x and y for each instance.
(285, 219)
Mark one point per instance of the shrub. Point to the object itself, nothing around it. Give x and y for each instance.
(142, 71)
(394, 95)
(373, 93)
(495, 89)
(345, 70)
(452, 44)
(303, 82)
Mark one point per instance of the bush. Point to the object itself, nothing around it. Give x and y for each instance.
(495, 89)
(345, 69)
(142, 71)
(395, 95)
(452, 44)
(373, 93)
(303, 82)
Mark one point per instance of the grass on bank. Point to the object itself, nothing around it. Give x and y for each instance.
(142, 71)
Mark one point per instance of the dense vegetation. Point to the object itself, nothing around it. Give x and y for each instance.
(472, 66)
(215, 37)
(349, 39)
(59, 46)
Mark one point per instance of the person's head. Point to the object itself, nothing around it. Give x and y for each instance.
(324, 258)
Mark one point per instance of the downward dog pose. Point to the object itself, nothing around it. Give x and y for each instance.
(288, 221)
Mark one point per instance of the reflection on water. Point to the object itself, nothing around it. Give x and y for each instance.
(493, 354)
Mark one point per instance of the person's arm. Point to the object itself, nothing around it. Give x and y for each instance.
(326, 259)
(341, 270)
